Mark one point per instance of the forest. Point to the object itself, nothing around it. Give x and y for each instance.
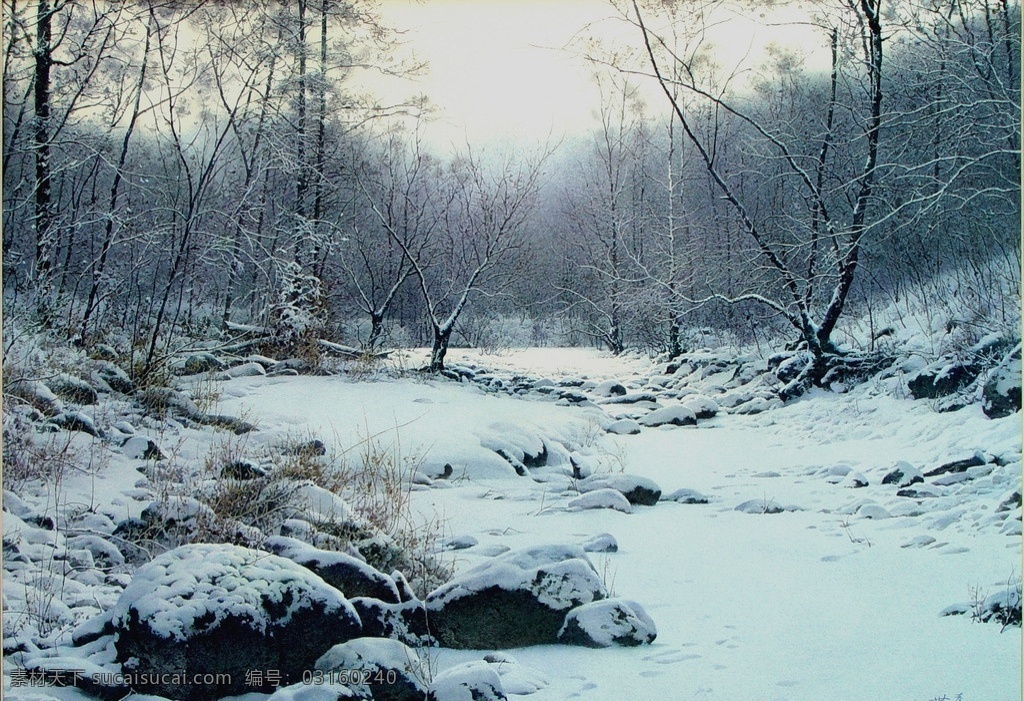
(173, 169)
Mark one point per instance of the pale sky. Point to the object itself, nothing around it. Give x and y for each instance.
(504, 70)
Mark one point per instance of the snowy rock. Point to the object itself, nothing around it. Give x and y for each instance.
(36, 394)
(941, 379)
(470, 681)
(386, 669)
(854, 480)
(113, 376)
(142, 448)
(73, 389)
(406, 622)
(763, 506)
(1003, 607)
(514, 600)
(686, 496)
(1009, 501)
(639, 397)
(918, 541)
(515, 677)
(226, 608)
(459, 542)
(77, 421)
(303, 691)
(610, 388)
(104, 553)
(345, 573)
(244, 370)
(701, 406)
(670, 416)
(624, 427)
(606, 623)
(601, 499)
(903, 474)
(873, 511)
(602, 543)
(166, 400)
(963, 465)
(638, 491)
(922, 492)
(1001, 395)
(201, 362)
(242, 470)
(756, 405)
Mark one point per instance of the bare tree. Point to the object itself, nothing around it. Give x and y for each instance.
(467, 244)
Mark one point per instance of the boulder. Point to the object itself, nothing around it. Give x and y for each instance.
(610, 388)
(601, 499)
(624, 427)
(201, 362)
(405, 622)
(941, 379)
(1001, 394)
(514, 600)
(607, 623)
(639, 491)
(36, 394)
(469, 681)
(701, 406)
(686, 496)
(386, 669)
(114, 377)
(230, 610)
(345, 573)
(601, 543)
(903, 474)
(73, 389)
(955, 466)
(244, 370)
(142, 448)
(167, 400)
(77, 421)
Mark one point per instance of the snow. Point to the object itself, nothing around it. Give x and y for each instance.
(605, 498)
(560, 576)
(830, 602)
(205, 583)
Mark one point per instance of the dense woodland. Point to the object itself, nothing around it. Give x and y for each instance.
(175, 170)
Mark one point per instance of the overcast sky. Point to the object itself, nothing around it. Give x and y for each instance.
(511, 70)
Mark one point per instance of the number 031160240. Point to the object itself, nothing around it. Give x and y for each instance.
(319, 677)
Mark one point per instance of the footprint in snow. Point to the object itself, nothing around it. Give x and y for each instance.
(671, 657)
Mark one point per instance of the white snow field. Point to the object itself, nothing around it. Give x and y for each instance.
(836, 594)
(790, 583)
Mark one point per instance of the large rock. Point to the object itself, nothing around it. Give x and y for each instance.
(1001, 394)
(225, 609)
(345, 573)
(941, 379)
(469, 681)
(670, 416)
(387, 669)
(37, 394)
(73, 389)
(515, 600)
(638, 491)
(406, 622)
(607, 623)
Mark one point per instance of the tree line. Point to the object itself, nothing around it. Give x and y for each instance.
(183, 170)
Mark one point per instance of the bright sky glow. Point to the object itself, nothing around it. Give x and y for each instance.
(511, 71)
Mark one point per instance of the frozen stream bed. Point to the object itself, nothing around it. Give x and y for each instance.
(813, 589)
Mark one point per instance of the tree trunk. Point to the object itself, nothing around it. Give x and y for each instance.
(441, 338)
(41, 142)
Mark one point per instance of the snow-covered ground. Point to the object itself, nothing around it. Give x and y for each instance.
(790, 583)
(817, 602)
